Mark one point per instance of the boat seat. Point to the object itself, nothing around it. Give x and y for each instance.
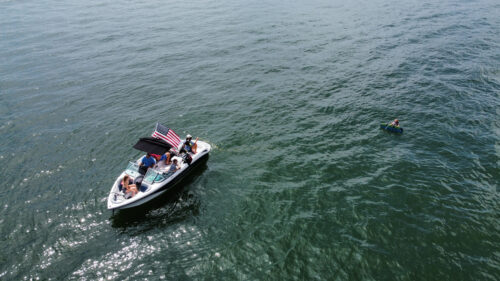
(138, 180)
(138, 183)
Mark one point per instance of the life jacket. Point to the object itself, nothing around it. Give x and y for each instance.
(188, 146)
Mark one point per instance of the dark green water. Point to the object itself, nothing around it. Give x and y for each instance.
(301, 183)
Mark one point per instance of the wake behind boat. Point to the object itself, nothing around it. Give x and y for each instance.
(151, 182)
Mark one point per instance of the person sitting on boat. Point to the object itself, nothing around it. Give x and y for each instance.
(395, 123)
(147, 162)
(129, 189)
(174, 167)
(189, 145)
(165, 160)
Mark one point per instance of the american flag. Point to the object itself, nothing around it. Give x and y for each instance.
(166, 134)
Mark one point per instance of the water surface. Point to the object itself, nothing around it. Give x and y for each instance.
(301, 184)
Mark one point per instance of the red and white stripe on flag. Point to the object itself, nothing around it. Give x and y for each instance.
(166, 134)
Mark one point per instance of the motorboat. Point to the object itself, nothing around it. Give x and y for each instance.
(156, 180)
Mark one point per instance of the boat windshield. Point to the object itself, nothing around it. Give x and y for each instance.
(132, 170)
(153, 176)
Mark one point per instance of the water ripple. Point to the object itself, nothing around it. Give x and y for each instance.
(301, 183)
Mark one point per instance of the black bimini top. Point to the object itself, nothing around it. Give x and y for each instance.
(152, 145)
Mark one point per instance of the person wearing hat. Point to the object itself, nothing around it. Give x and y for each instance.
(189, 145)
(395, 123)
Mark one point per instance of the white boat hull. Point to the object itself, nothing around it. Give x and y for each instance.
(116, 200)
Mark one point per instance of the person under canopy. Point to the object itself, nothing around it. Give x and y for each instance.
(147, 162)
